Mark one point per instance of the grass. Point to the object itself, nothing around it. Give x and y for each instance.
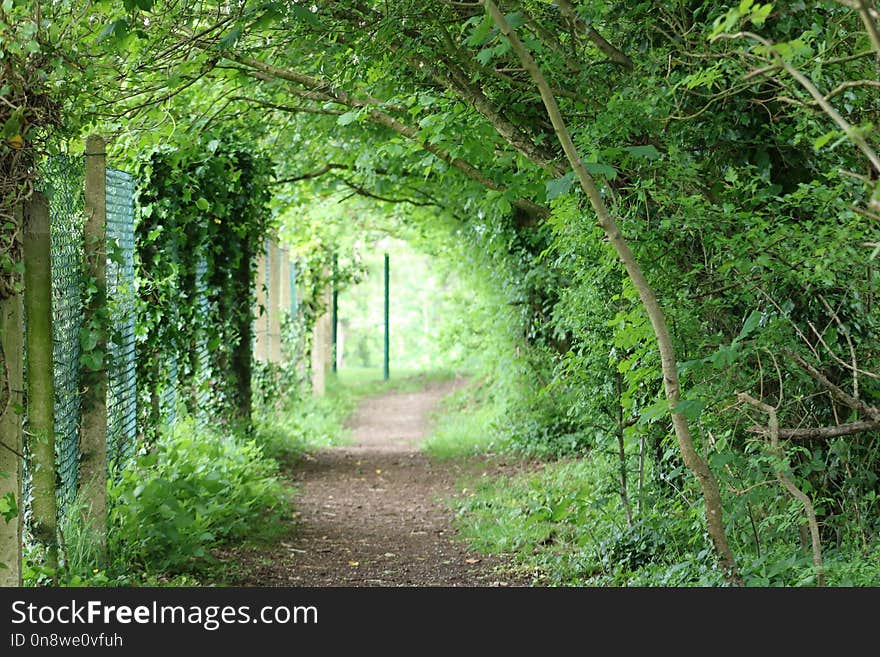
(561, 522)
(365, 380)
(301, 423)
(464, 427)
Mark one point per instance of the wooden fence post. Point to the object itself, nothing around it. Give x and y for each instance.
(11, 446)
(93, 428)
(40, 374)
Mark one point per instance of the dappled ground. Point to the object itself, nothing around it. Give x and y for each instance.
(373, 513)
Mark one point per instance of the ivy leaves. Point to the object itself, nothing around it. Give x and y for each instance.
(205, 210)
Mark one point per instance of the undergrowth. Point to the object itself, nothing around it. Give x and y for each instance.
(562, 520)
(203, 486)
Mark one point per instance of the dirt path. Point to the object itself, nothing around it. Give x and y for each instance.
(372, 513)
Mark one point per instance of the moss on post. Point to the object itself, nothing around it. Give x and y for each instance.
(40, 373)
(11, 449)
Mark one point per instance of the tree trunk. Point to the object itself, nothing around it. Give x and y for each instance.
(693, 461)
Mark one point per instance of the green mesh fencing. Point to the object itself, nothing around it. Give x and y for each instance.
(202, 375)
(63, 185)
(121, 302)
(292, 288)
(61, 181)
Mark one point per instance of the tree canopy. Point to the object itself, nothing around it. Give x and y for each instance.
(730, 149)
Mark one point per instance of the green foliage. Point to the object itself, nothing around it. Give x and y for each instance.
(464, 425)
(197, 489)
(203, 219)
(29, 114)
(298, 421)
(749, 209)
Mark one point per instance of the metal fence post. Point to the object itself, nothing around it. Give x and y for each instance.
(334, 320)
(386, 370)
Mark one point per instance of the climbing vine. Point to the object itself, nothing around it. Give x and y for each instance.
(27, 110)
(204, 216)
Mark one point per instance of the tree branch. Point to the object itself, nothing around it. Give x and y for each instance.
(323, 90)
(820, 99)
(692, 459)
(291, 109)
(788, 484)
(598, 40)
(317, 173)
(815, 433)
(841, 395)
(364, 192)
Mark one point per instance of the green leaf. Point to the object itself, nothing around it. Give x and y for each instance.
(93, 360)
(654, 411)
(600, 169)
(515, 19)
(230, 38)
(559, 186)
(303, 14)
(820, 141)
(690, 408)
(347, 118)
(750, 325)
(8, 507)
(88, 339)
(118, 29)
(13, 125)
(760, 13)
(485, 55)
(647, 151)
(481, 32)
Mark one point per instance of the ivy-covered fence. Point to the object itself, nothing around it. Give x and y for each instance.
(149, 310)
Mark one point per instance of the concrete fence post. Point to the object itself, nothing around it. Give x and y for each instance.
(11, 444)
(261, 332)
(40, 375)
(93, 429)
(274, 302)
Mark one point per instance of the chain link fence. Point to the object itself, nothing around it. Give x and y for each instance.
(63, 185)
(61, 180)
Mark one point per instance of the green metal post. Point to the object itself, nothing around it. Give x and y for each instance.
(385, 362)
(335, 317)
